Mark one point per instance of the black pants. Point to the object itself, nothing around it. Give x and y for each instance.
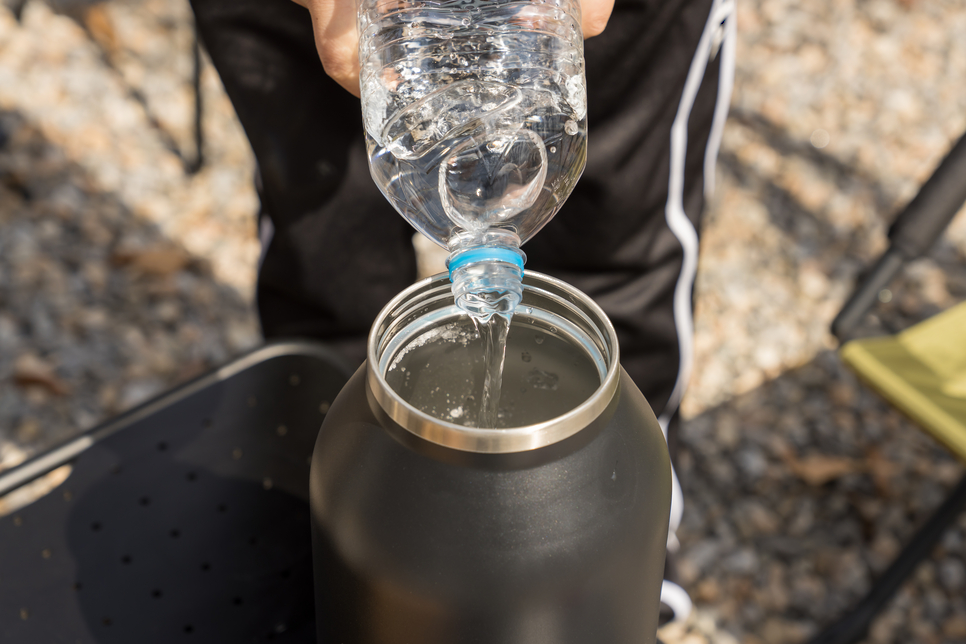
(339, 252)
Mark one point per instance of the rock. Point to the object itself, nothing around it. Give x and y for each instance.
(752, 462)
(806, 591)
(743, 561)
(138, 391)
(9, 335)
(850, 572)
(753, 518)
(935, 605)
(694, 560)
(707, 591)
(952, 575)
(923, 631)
(954, 627)
(11, 454)
(883, 550)
(804, 518)
(781, 631)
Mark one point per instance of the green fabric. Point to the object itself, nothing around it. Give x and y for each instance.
(922, 372)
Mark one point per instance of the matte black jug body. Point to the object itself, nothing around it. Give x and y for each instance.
(426, 531)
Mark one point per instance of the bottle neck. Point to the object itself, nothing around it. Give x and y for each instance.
(487, 280)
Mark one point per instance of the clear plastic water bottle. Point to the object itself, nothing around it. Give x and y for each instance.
(475, 119)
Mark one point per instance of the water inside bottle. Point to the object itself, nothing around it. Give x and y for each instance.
(502, 170)
(549, 369)
(474, 111)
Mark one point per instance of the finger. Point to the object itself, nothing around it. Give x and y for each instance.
(334, 24)
(594, 15)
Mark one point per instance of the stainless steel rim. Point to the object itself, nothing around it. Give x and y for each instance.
(494, 441)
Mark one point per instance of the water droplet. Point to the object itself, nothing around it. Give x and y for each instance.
(465, 22)
(553, 329)
(553, 149)
(525, 356)
(570, 127)
(538, 338)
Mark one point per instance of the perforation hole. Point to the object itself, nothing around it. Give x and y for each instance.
(96, 527)
(189, 629)
(223, 507)
(236, 601)
(205, 566)
(156, 593)
(144, 501)
(162, 446)
(106, 621)
(191, 477)
(175, 533)
(126, 560)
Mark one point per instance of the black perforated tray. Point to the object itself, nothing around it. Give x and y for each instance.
(185, 519)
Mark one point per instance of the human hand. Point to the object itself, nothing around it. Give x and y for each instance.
(334, 24)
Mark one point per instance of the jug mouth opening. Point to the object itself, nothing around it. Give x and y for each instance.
(551, 311)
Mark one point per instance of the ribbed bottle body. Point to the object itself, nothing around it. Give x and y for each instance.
(475, 113)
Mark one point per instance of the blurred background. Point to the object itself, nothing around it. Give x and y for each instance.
(122, 275)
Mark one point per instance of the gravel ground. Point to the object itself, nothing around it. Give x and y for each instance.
(121, 276)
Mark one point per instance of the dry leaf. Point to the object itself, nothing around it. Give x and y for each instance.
(818, 469)
(161, 260)
(29, 430)
(32, 371)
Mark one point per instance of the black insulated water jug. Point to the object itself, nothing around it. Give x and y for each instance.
(551, 530)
